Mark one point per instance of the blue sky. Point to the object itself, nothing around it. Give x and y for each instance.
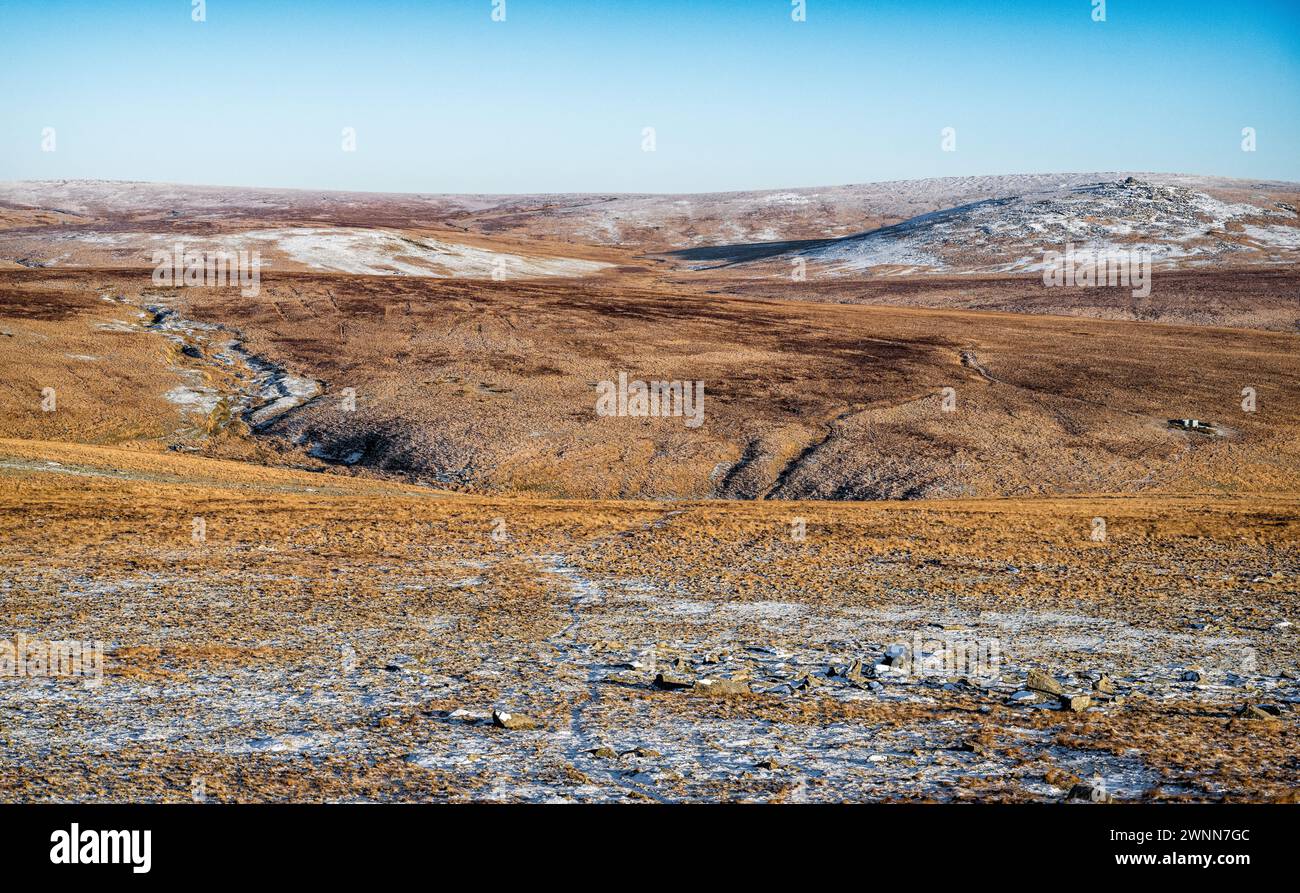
(443, 99)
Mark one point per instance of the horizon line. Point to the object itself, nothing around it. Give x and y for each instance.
(311, 189)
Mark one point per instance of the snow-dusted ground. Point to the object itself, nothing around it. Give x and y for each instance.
(332, 249)
(373, 252)
(985, 223)
(1171, 223)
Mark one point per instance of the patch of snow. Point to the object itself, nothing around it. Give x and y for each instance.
(1287, 237)
(194, 399)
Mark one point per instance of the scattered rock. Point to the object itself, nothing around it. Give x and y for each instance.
(1190, 676)
(673, 682)
(1091, 793)
(721, 687)
(515, 722)
(857, 672)
(1261, 711)
(644, 753)
(1075, 703)
(1041, 681)
(625, 679)
(805, 682)
(854, 672)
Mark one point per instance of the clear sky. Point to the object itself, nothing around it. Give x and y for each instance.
(555, 98)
